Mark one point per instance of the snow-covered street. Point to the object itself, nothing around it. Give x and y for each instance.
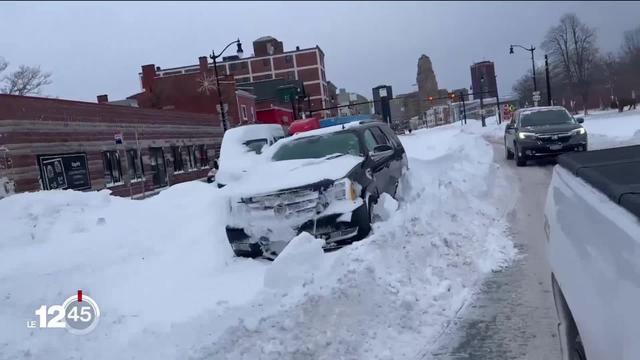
(169, 287)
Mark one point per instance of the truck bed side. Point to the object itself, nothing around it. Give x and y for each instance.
(594, 251)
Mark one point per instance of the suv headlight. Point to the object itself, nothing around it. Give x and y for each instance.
(578, 131)
(343, 189)
(526, 135)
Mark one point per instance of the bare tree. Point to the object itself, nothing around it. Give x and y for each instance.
(572, 47)
(3, 64)
(26, 80)
(631, 42)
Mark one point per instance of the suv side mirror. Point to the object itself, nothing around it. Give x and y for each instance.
(580, 120)
(382, 148)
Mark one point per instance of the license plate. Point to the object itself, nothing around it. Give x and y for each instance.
(555, 147)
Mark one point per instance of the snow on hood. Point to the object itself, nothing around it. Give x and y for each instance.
(276, 175)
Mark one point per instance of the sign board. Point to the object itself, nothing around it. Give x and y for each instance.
(536, 93)
(64, 171)
(536, 97)
(119, 138)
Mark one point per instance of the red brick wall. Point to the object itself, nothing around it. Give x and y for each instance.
(280, 62)
(258, 66)
(309, 74)
(306, 59)
(250, 103)
(31, 126)
(313, 89)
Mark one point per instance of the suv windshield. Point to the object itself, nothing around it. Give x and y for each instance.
(256, 145)
(315, 147)
(546, 117)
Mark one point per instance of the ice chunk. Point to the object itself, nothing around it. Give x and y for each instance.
(297, 264)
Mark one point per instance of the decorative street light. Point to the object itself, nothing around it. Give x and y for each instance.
(533, 63)
(214, 57)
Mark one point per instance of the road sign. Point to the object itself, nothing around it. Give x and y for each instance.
(536, 97)
(536, 93)
(119, 138)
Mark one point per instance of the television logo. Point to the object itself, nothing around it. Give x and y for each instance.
(79, 314)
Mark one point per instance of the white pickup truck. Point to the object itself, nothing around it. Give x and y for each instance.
(592, 222)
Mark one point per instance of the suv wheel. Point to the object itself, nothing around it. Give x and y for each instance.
(520, 160)
(507, 153)
(364, 219)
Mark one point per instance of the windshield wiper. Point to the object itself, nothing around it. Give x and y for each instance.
(329, 157)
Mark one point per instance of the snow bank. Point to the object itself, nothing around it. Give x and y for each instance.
(611, 129)
(390, 295)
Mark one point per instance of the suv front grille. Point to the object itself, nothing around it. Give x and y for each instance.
(285, 202)
(554, 138)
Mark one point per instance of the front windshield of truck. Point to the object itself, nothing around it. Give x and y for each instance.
(315, 147)
(256, 145)
(546, 117)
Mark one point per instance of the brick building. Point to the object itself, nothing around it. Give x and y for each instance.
(483, 79)
(270, 61)
(59, 144)
(195, 91)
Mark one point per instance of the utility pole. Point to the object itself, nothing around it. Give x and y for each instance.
(546, 70)
(484, 124)
(214, 57)
(464, 107)
(498, 101)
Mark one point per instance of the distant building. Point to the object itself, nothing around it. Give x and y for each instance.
(464, 91)
(484, 70)
(270, 61)
(333, 98)
(349, 98)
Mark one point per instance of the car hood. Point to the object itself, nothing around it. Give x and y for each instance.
(280, 175)
(547, 129)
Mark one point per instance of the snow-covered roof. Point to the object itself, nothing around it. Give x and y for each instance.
(265, 38)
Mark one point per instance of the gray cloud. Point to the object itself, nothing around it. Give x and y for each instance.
(95, 48)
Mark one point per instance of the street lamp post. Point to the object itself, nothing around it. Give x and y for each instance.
(215, 57)
(533, 63)
(481, 102)
(546, 71)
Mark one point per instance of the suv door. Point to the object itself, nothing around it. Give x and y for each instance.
(380, 160)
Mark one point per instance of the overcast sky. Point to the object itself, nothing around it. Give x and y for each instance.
(96, 48)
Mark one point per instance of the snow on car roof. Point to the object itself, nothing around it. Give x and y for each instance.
(531, 110)
(322, 131)
(328, 129)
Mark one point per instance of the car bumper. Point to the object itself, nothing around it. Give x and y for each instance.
(335, 229)
(538, 149)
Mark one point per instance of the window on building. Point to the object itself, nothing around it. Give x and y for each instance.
(112, 168)
(253, 114)
(186, 158)
(193, 158)
(266, 62)
(243, 110)
(134, 165)
(243, 65)
(233, 66)
(288, 59)
(204, 158)
(178, 165)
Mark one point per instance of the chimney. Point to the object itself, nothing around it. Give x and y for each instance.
(204, 65)
(148, 76)
(102, 99)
